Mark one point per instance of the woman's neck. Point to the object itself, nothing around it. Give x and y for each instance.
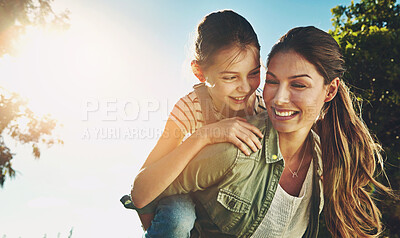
(290, 143)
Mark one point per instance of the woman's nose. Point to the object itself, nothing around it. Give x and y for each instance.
(282, 96)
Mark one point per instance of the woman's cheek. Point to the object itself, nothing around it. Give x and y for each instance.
(268, 94)
(255, 82)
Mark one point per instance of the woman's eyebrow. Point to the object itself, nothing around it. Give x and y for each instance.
(273, 75)
(291, 77)
(300, 76)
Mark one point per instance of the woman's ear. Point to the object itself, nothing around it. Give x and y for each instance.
(332, 89)
(197, 71)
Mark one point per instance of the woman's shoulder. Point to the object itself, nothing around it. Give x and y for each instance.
(317, 151)
(316, 142)
(220, 156)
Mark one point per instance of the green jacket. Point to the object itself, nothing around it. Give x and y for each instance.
(233, 191)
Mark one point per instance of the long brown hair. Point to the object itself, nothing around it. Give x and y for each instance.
(349, 151)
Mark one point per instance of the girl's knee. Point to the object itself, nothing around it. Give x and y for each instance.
(177, 205)
(175, 216)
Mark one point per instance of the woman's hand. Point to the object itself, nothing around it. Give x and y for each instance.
(234, 130)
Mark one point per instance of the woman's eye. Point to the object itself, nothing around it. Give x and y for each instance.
(255, 73)
(298, 85)
(270, 81)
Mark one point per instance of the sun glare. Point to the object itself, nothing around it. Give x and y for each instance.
(57, 70)
(38, 72)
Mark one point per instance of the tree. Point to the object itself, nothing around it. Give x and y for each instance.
(17, 121)
(20, 124)
(368, 33)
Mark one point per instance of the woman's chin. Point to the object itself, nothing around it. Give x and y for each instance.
(283, 129)
(283, 126)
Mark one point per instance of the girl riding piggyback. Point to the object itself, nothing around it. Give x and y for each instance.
(227, 63)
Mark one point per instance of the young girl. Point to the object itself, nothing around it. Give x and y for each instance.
(227, 61)
(277, 191)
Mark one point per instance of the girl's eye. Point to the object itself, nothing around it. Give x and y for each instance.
(229, 77)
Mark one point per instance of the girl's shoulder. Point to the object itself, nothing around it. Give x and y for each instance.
(187, 113)
(189, 102)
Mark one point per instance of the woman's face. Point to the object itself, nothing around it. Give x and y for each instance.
(294, 93)
(234, 76)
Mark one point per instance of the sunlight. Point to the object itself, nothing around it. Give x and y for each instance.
(57, 70)
(39, 70)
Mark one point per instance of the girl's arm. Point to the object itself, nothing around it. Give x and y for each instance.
(169, 157)
(146, 219)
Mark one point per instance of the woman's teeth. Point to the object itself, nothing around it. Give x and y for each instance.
(284, 114)
(239, 99)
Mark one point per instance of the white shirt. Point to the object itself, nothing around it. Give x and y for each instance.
(288, 215)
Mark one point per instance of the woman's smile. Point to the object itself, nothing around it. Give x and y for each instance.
(284, 114)
(294, 92)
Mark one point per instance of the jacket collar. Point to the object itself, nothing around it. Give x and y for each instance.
(273, 153)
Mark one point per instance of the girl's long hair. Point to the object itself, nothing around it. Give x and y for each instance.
(349, 152)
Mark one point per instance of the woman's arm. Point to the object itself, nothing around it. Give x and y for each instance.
(168, 158)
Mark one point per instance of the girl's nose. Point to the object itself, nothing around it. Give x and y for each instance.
(244, 86)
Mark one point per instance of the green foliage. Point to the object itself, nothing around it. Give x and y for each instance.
(20, 124)
(369, 34)
(16, 120)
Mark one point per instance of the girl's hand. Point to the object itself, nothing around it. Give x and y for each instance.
(234, 130)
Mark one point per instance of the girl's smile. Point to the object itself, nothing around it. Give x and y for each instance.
(239, 100)
(234, 76)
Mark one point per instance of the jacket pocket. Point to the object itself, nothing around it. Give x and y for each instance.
(233, 202)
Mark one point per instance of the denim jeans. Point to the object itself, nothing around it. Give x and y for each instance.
(174, 218)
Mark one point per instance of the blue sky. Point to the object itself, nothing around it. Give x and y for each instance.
(111, 80)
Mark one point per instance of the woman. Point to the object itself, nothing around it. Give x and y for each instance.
(275, 192)
(349, 153)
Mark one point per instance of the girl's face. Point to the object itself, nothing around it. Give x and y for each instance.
(294, 92)
(234, 76)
